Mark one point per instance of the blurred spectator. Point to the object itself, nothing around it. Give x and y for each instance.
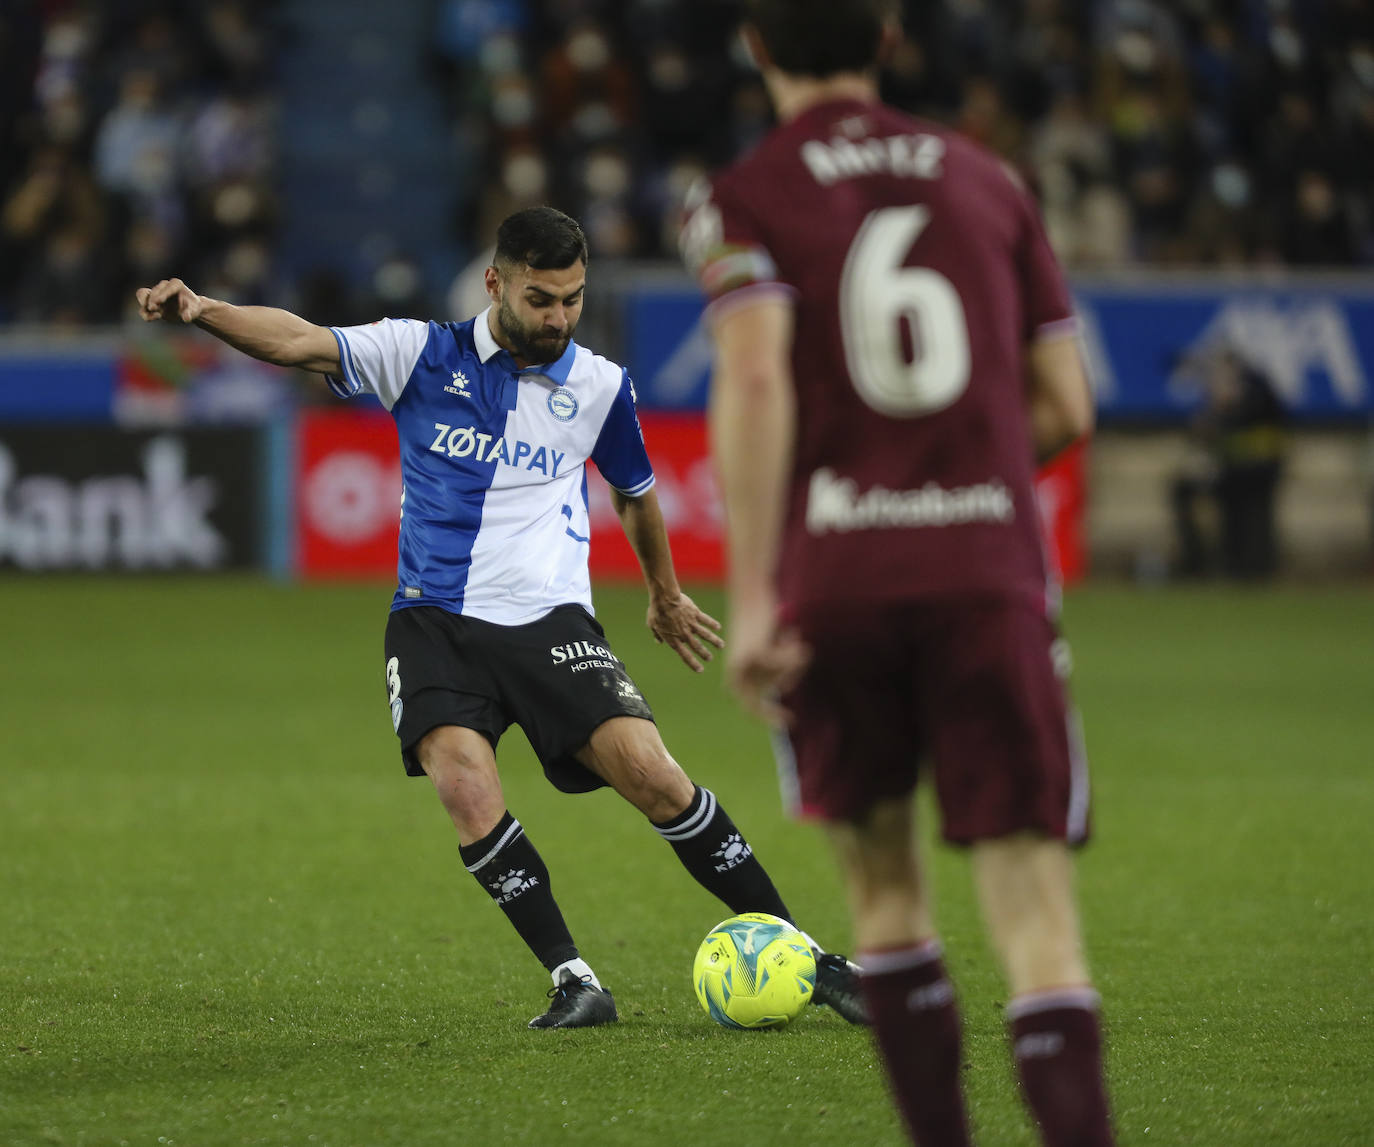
(1238, 449)
(1316, 227)
(1224, 132)
(1183, 133)
(136, 145)
(53, 225)
(141, 141)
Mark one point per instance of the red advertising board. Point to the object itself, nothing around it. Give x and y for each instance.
(691, 506)
(348, 494)
(687, 492)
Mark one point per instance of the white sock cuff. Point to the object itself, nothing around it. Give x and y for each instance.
(888, 961)
(579, 968)
(1082, 997)
(512, 831)
(695, 819)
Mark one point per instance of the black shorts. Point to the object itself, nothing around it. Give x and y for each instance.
(556, 678)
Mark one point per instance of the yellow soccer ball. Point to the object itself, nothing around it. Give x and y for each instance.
(754, 971)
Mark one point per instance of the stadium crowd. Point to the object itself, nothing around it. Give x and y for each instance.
(138, 136)
(135, 139)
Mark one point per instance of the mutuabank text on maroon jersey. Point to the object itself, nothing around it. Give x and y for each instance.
(919, 271)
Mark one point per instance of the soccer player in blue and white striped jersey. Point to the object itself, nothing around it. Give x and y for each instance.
(492, 621)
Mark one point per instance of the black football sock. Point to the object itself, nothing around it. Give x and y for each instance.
(506, 864)
(719, 858)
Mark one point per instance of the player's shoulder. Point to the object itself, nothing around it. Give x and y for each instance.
(445, 342)
(847, 125)
(752, 169)
(961, 154)
(403, 330)
(998, 173)
(454, 334)
(594, 373)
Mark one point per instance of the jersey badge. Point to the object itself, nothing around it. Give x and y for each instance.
(563, 404)
(459, 385)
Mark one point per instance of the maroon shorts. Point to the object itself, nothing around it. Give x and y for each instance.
(966, 688)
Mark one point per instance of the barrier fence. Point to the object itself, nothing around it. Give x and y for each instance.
(151, 449)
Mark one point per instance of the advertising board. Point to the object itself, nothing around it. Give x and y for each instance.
(98, 498)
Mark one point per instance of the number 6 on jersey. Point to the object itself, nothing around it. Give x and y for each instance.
(878, 295)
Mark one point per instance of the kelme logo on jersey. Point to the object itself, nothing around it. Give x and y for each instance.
(468, 442)
(563, 404)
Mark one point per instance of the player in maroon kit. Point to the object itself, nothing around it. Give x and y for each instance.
(895, 346)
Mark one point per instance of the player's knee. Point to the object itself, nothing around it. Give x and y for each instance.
(452, 756)
(655, 784)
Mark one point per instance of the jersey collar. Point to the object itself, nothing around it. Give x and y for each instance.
(487, 347)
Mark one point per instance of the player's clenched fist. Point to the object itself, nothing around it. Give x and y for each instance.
(171, 299)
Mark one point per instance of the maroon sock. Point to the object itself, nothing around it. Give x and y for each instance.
(916, 1027)
(1057, 1045)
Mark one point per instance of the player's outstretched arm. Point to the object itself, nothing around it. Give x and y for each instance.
(266, 333)
(674, 618)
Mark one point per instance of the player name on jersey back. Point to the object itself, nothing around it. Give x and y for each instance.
(918, 156)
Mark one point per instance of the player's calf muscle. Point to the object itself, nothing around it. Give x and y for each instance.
(1025, 884)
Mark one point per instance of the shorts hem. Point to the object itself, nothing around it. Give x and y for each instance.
(567, 774)
(412, 762)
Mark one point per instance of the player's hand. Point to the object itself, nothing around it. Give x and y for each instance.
(682, 625)
(171, 300)
(764, 663)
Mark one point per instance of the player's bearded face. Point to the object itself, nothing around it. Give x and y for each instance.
(538, 311)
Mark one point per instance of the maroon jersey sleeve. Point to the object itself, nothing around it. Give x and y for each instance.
(723, 246)
(1048, 304)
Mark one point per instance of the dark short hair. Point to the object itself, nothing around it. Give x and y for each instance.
(541, 238)
(821, 37)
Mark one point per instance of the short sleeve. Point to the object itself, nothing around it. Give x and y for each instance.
(619, 451)
(1045, 298)
(378, 358)
(724, 248)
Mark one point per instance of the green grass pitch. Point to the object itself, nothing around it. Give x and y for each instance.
(227, 918)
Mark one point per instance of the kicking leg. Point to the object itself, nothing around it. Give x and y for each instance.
(1025, 886)
(910, 998)
(629, 754)
(497, 852)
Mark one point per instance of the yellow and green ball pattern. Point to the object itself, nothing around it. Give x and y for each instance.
(754, 971)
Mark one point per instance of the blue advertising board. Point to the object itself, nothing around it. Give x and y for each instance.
(1312, 336)
(1314, 343)
(63, 385)
(1314, 340)
(104, 377)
